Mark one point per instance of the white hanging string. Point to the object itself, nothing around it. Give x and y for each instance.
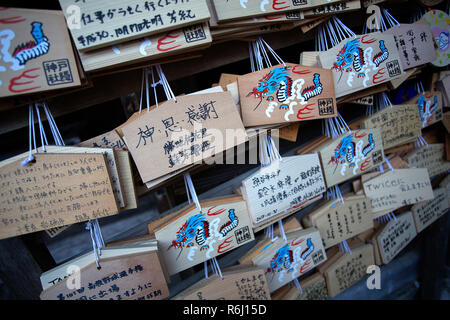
(297, 284)
(391, 20)
(283, 234)
(275, 55)
(217, 267)
(31, 137)
(44, 141)
(96, 238)
(191, 190)
(57, 134)
(165, 84)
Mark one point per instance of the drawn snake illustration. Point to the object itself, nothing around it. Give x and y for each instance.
(32, 49)
(313, 90)
(196, 228)
(346, 150)
(230, 224)
(382, 55)
(284, 257)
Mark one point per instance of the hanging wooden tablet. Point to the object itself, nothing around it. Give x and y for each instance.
(445, 183)
(192, 237)
(36, 54)
(284, 94)
(439, 23)
(109, 139)
(348, 269)
(238, 9)
(339, 221)
(277, 188)
(430, 107)
(361, 62)
(186, 39)
(111, 162)
(181, 133)
(399, 125)
(56, 190)
(63, 271)
(312, 24)
(95, 24)
(284, 262)
(430, 156)
(365, 101)
(395, 236)
(394, 189)
(133, 277)
(112, 139)
(351, 154)
(309, 58)
(313, 287)
(238, 283)
(333, 8)
(415, 44)
(428, 212)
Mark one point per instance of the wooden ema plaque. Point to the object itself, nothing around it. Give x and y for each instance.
(288, 93)
(351, 155)
(135, 277)
(281, 186)
(431, 157)
(186, 39)
(415, 44)
(425, 214)
(238, 283)
(333, 8)
(394, 189)
(314, 288)
(36, 54)
(181, 133)
(284, 262)
(239, 9)
(430, 107)
(339, 221)
(95, 24)
(399, 125)
(361, 62)
(192, 237)
(56, 190)
(395, 236)
(110, 139)
(348, 269)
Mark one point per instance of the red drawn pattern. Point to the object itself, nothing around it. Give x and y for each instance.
(273, 18)
(276, 5)
(11, 20)
(365, 165)
(300, 72)
(215, 213)
(306, 266)
(162, 42)
(303, 112)
(378, 77)
(357, 135)
(371, 40)
(293, 243)
(225, 245)
(16, 81)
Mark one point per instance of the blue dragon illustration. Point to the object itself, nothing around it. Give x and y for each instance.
(425, 110)
(277, 80)
(346, 151)
(196, 228)
(352, 55)
(284, 258)
(32, 49)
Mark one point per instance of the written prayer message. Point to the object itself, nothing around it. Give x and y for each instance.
(351, 154)
(180, 133)
(415, 44)
(282, 185)
(196, 236)
(399, 124)
(430, 156)
(56, 190)
(286, 93)
(97, 23)
(425, 214)
(361, 62)
(401, 187)
(395, 236)
(134, 277)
